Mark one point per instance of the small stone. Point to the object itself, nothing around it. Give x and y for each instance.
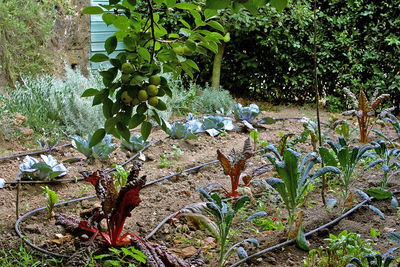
(84, 237)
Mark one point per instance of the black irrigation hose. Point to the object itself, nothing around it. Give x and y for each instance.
(34, 152)
(76, 179)
(26, 240)
(292, 241)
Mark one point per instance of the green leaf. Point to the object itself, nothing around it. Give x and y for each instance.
(108, 18)
(209, 13)
(99, 98)
(109, 125)
(379, 193)
(111, 44)
(93, 10)
(216, 26)
(97, 137)
(186, 6)
(279, 4)
(107, 106)
(144, 53)
(99, 58)
(187, 25)
(217, 4)
(161, 105)
(327, 157)
(132, 2)
(240, 203)
(301, 240)
(192, 64)
(121, 22)
(90, 92)
(145, 129)
(123, 131)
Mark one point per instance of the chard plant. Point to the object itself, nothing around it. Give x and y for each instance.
(52, 199)
(116, 206)
(224, 214)
(256, 141)
(294, 178)
(310, 130)
(49, 168)
(365, 111)
(100, 150)
(346, 159)
(234, 164)
(342, 128)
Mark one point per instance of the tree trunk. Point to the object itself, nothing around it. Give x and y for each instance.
(216, 73)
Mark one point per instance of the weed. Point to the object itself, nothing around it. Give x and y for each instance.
(22, 257)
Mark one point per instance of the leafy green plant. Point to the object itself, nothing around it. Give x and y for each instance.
(135, 143)
(214, 125)
(364, 111)
(48, 143)
(246, 114)
(310, 130)
(234, 165)
(293, 181)
(340, 251)
(347, 160)
(121, 176)
(101, 150)
(254, 135)
(224, 215)
(269, 223)
(394, 121)
(121, 257)
(179, 130)
(374, 260)
(342, 128)
(52, 199)
(49, 168)
(166, 161)
(388, 159)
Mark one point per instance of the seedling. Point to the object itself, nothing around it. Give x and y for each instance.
(52, 199)
(49, 168)
(293, 182)
(347, 161)
(166, 161)
(224, 214)
(365, 111)
(234, 165)
(121, 257)
(256, 141)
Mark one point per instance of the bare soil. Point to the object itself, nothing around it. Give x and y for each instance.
(164, 198)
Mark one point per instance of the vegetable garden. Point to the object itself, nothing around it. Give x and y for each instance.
(244, 184)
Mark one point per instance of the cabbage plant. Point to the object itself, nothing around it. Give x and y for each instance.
(32, 169)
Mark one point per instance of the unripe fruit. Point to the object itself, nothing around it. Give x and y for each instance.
(179, 50)
(155, 80)
(152, 90)
(125, 78)
(135, 101)
(187, 51)
(127, 68)
(126, 98)
(142, 95)
(153, 101)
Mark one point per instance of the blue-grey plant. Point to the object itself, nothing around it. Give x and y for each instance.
(387, 158)
(394, 121)
(214, 125)
(102, 150)
(374, 260)
(179, 130)
(135, 143)
(246, 114)
(224, 214)
(346, 159)
(32, 169)
(294, 178)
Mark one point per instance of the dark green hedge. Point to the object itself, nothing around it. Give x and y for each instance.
(358, 46)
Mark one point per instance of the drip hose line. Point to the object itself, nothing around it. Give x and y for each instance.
(34, 152)
(77, 179)
(27, 241)
(292, 241)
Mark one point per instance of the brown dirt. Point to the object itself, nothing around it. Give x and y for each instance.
(168, 196)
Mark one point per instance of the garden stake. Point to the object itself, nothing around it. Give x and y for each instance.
(17, 200)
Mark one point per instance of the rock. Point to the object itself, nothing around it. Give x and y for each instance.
(184, 252)
(32, 228)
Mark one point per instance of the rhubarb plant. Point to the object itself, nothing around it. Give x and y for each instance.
(116, 206)
(365, 111)
(234, 164)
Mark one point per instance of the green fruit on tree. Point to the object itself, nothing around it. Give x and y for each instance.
(126, 98)
(127, 68)
(125, 78)
(155, 80)
(152, 90)
(153, 101)
(142, 95)
(135, 101)
(187, 51)
(179, 50)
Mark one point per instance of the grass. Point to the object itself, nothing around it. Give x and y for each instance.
(22, 257)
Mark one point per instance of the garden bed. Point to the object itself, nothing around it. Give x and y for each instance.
(166, 197)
